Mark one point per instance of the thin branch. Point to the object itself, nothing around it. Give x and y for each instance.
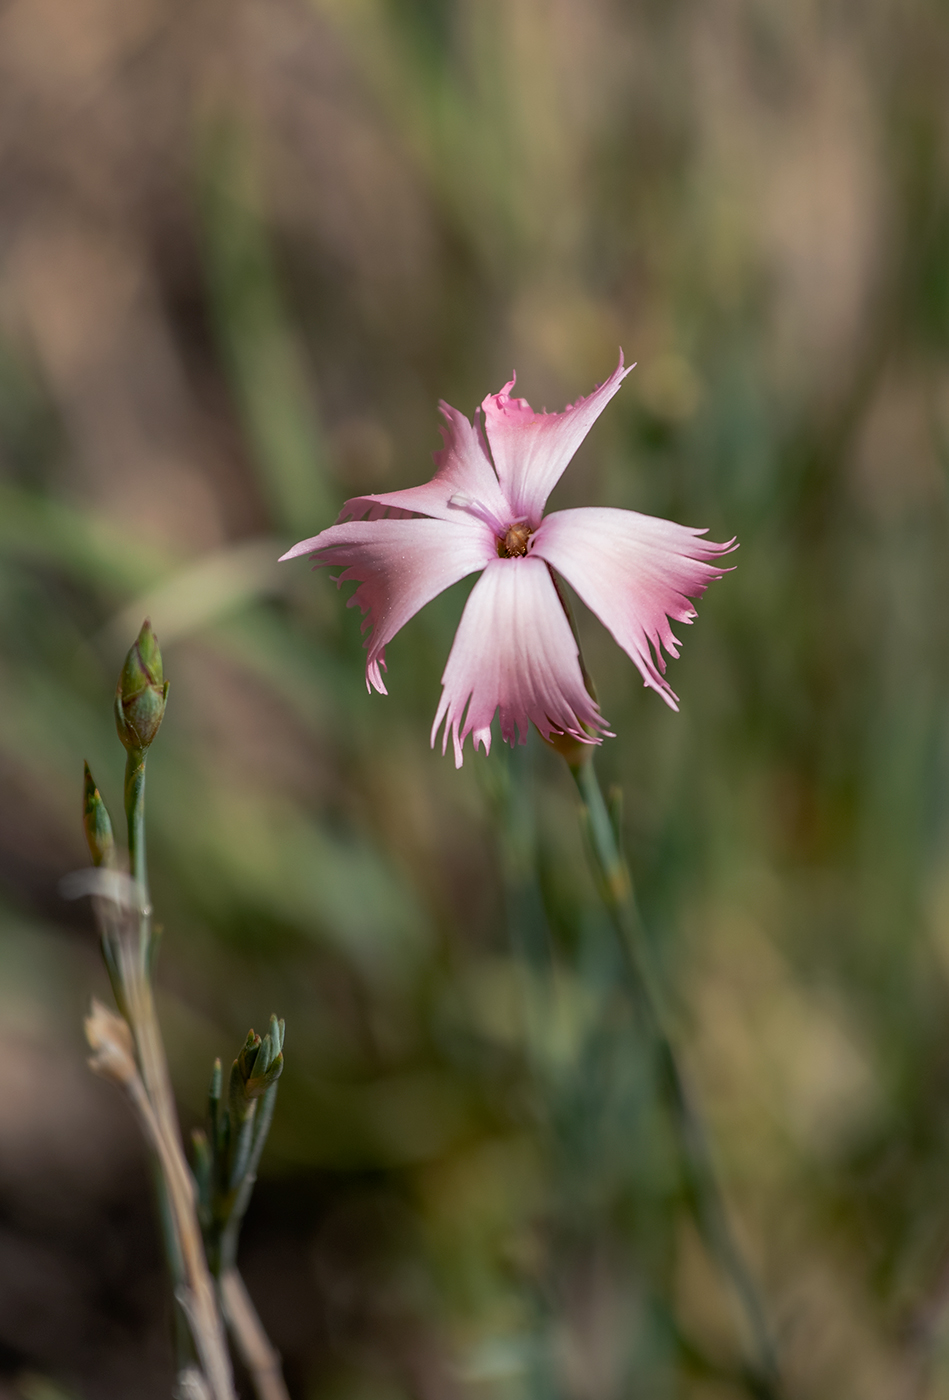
(252, 1342)
(113, 1057)
(617, 893)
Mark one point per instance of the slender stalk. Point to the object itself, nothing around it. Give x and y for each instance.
(257, 1354)
(231, 1232)
(134, 793)
(137, 1004)
(111, 1038)
(135, 815)
(198, 1329)
(530, 940)
(196, 1309)
(526, 921)
(617, 893)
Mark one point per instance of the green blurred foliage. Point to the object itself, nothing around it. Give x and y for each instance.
(245, 251)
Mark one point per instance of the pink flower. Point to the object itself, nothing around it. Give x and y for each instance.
(484, 510)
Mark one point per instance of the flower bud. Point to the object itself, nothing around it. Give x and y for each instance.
(259, 1064)
(141, 692)
(96, 823)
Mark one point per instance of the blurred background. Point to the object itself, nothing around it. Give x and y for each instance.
(244, 249)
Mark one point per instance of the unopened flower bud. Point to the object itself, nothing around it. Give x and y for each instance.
(259, 1064)
(96, 823)
(141, 692)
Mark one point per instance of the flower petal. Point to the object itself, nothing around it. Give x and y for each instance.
(514, 649)
(531, 450)
(464, 468)
(635, 572)
(401, 565)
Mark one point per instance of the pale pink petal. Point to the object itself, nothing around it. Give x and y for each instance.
(464, 469)
(514, 650)
(531, 450)
(635, 572)
(401, 565)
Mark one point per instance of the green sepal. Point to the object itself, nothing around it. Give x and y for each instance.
(242, 1070)
(141, 693)
(259, 1064)
(258, 1084)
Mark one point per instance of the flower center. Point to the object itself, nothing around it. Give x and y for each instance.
(511, 540)
(513, 543)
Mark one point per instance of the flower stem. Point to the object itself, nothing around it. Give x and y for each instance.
(195, 1310)
(138, 865)
(137, 978)
(135, 814)
(616, 890)
(137, 1005)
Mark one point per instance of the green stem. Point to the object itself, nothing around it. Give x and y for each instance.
(185, 1351)
(617, 892)
(526, 920)
(231, 1231)
(135, 816)
(137, 1003)
(531, 945)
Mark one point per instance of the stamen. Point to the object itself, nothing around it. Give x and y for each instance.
(475, 508)
(512, 539)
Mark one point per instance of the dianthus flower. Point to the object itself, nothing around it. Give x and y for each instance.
(514, 650)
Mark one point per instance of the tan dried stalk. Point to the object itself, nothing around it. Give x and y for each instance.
(113, 1057)
(257, 1354)
(145, 1079)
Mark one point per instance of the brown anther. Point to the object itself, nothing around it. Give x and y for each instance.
(514, 543)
